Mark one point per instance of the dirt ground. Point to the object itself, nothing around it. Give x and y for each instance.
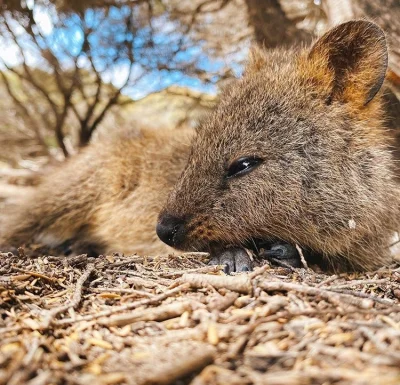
(174, 320)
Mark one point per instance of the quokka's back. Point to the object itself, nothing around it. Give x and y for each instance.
(105, 199)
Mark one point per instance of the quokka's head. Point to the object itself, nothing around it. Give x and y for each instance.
(290, 149)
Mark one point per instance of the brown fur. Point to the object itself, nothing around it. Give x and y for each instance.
(107, 198)
(327, 181)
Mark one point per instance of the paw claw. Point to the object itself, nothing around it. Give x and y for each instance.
(234, 259)
(283, 254)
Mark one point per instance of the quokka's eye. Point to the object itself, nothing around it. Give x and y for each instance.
(243, 165)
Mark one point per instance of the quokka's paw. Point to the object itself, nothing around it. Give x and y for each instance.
(282, 254)
(234, 259)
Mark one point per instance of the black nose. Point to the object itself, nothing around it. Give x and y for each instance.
(170, 230)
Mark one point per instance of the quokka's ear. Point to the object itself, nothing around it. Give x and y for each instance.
(257, 59)
(353, 59)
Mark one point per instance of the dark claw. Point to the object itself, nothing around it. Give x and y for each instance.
(214, 261)
(234, 259)
(227, 270)
(227, 258)
(66, 247)
(283, 252)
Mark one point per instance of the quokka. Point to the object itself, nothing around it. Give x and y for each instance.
(296, 153)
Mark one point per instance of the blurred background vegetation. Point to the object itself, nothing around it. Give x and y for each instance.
(73, 71)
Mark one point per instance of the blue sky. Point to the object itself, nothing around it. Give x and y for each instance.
(106, 37)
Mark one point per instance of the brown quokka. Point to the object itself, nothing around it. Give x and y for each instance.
(295, 153)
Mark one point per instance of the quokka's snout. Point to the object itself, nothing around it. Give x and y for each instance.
(171, 230)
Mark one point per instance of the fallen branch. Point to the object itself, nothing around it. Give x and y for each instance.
(199, 270)
(73, 303)
(303, 260)
(239, 283)
(359, 283)
(160, 313)
(336, 298)
(103, 290)
(382, 301)
(36, 274)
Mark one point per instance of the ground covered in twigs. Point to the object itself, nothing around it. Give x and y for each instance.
(174, 320)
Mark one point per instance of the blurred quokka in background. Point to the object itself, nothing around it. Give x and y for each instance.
(295, 153)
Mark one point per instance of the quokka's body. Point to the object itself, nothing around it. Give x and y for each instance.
(106, 199)
(296, 151)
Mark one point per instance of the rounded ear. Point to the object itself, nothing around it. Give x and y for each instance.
(257, 59)
(354, 58)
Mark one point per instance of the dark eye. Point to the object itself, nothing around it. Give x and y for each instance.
(243, 165)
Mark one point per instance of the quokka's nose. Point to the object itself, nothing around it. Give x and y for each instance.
(170, 229)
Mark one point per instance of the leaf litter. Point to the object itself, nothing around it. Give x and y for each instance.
(174, 320)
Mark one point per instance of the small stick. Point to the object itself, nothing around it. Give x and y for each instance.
(9, 329)
(159, 313)
(73, 303)
(359, 282)
(237, 346)
(222, 302)
(239, 283)
(195, 254)
(161, 281)
(380, 345)
(364, 303)
(199, 270)
(76, 260)
(34, 345)
(259, 271)
(303, 260)
(382, 301)
(121, 290)
(36, 274)
(328, 280)
(133, 305)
